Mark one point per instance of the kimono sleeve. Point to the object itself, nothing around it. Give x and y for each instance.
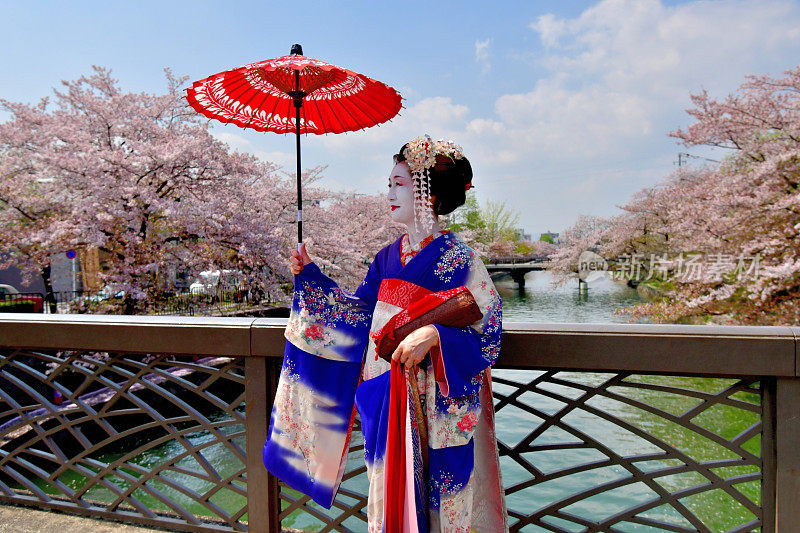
(313, 412)
(328, 321)
(463, 353)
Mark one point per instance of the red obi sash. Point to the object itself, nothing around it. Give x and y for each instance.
(395, 494)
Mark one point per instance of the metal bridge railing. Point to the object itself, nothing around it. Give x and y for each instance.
(161, 421)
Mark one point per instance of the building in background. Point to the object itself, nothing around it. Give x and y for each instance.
(520, 235)
(550, 236)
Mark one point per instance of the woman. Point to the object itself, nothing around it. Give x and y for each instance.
(432, 466)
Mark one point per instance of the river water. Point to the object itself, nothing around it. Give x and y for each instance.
(541, 302)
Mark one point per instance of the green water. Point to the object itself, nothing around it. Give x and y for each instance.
(187, 472)
(539, 303)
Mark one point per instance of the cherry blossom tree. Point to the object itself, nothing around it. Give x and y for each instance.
(137, 176)
(349, 229)
(140, 177)
(741, 218)
(588, 233)
(539, 249)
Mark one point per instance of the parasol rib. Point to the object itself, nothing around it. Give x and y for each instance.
(244, 105)
(233, 113)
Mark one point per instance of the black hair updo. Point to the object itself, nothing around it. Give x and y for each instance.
(448, 181)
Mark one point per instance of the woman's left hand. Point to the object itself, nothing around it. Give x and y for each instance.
(413, 348)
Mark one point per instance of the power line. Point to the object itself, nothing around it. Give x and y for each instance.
(683, 155)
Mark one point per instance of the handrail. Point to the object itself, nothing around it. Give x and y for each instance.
(698, 350)
(763, 359)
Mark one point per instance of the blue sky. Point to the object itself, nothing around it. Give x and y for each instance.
(563, 108)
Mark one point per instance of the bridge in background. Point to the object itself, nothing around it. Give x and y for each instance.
(517, 267)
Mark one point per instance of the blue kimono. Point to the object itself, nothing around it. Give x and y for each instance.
(330, 370)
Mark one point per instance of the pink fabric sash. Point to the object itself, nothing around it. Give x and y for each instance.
(395, 473)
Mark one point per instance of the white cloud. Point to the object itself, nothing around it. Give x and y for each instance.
(573, 123)
(549, 29)
(282, 159)
(645, 47)
(617, 78)
(482, 55)
(237, 142)
(590, 127)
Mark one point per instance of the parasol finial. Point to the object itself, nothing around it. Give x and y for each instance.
(297, 50)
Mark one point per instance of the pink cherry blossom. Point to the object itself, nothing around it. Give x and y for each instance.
(743, 210)
(141, 178)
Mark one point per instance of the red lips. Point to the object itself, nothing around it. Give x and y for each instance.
(395, 207)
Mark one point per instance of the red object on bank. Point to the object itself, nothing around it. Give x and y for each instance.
(295, 94)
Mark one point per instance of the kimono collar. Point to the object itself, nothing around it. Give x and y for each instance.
(407, 251)
(417, 265)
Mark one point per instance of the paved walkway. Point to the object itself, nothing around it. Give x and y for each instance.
(27, 520)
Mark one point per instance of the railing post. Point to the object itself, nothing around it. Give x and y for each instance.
(787, 458)
(768, 459)
(263, 501)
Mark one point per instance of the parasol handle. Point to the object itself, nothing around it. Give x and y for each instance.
(297, 99)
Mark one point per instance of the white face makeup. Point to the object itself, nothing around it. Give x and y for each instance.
(401, 194)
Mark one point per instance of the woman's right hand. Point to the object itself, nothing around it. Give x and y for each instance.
(298, 260)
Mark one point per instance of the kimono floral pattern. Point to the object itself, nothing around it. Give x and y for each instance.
(490, 340)
(375, 473)
(458, 263)
(455, 505)
(319, 320)
(304, 326)
(456, 257)
(292, 402)
(332, 306)
(311, 425)
(480, 285)
(451, 421)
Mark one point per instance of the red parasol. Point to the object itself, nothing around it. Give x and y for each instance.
(295, 94)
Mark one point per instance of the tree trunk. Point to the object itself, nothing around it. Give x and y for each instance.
(49, 297)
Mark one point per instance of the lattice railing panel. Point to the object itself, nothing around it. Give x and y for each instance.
(162, 440)
(622, 452)
(603, 452)
(149, 438)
